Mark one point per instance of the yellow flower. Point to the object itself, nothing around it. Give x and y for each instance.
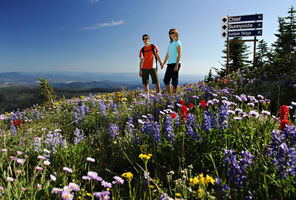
(193, 181)
(151, 186)
(88, 194)
(199, 191)
(82, 190)
(210, 180)
(145, 156)
(82, 97)
(178, 195)
(128, 175)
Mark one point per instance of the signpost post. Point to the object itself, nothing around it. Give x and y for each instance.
(232, 26)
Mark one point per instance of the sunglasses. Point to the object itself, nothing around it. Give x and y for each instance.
(172, 33)
(145, 38)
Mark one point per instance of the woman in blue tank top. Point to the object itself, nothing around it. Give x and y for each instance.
(173, 57)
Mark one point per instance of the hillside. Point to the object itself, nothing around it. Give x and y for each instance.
(203, 142)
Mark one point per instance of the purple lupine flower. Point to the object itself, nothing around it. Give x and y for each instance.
(223, 117)
(282, 151)
(191, 127)
(54, 140)
(236, 168)
(221, 190)
(168, 127)
(12, 129)
(114, 130)
(206, 122)
(102, 107)
(153, 129)
(78, 136)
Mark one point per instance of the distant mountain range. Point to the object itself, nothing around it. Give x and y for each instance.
(84, 80)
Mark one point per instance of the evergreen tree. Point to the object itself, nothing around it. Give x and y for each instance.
(285, 46)
(238, 55)
(47, 94)
(262, 56)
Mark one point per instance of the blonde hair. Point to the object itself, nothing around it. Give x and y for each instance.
(176, 34)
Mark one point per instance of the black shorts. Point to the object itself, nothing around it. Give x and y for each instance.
(171, 74)
(153, 74)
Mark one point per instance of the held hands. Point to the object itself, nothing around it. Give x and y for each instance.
(176, 68)
(140, 73)
(161, 65)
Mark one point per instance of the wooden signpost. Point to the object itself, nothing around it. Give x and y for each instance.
(232, 26)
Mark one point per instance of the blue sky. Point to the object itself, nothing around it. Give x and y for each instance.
(105, 35)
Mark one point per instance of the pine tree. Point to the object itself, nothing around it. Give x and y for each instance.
(285, 46)
(262, 56)
(238, 55)
(47, 94)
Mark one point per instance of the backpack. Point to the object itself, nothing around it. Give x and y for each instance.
(152, 46)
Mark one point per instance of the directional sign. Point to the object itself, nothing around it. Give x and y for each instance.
(224, 19)
(250, 25)
(244, 33)
(256, 17)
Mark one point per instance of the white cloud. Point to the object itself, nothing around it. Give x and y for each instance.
(101, 25)
(93, 1)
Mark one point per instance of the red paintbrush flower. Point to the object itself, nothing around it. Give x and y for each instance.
(284, 112)
(203, 104)
(18, 122)
(182, 102)
(173, 115)
(284, 124)
(190, 105)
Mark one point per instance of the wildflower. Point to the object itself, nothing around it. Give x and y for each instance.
(74, 187)
(79, 136)
(19, 153)
(24, 189)
(145, 156)
(127, 175)
(67, 169)
(4, 150)
(173, 115)
(102, 195)
(284, 112)
(191, 127)
(206, 122)
(86, 178)
(20, 161)
(283, 124)
(106, 184)
(9, 179)
(114, 130)
(178, 195)
(41, 157)
(46, 162)
(203, 104)
(57, 190)
(168, 127)
(39, 186)
(89, 159)
(39, 168)
(254, 113)
(118, 180)
(18, 171)
(67, 195)
(265, 112)
(52, 177)
(190, 105)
